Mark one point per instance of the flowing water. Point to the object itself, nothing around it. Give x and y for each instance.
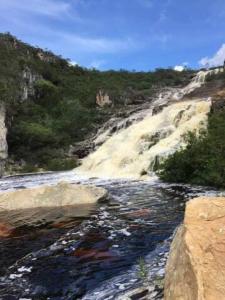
(91, 252)
(107, 250)
(135, 150)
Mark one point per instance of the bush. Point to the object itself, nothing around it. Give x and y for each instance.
(28, 168)
(203, 160)
(61, 164)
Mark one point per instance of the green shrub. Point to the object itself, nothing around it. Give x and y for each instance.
(203, 160)
(61, 164)
(28, 168)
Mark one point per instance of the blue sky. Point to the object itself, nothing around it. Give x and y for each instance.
(128, 34)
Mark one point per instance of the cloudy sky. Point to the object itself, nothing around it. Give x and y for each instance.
(129, 34)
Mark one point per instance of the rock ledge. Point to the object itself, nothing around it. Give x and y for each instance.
(62, 194)
(196, 264)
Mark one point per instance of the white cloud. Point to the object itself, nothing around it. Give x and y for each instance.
(40, 7)
(215, 60)
(96, 64)
(179, 68)
(73, 63)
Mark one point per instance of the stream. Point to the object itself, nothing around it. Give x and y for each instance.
(91, 252)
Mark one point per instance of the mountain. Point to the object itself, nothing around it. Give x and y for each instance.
(52, 105)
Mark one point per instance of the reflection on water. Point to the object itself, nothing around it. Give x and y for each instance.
(24, 231)
(65, 254)
(16, 220)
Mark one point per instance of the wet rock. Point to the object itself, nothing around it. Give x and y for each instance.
(158, 109)
(81, 149)
(5, 230)
(140, 293)
(218, 105)
(62, 194)
(141, 213)
(197, 253)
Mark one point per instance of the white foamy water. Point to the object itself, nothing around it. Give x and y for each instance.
(135, 150)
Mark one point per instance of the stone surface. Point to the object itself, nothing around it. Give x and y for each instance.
(3, 141)
(62, 194)
(218, 101)
(5, 229)
(196, 264)
(103, 99)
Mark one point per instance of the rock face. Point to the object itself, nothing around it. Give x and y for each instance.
(103, 99)
(29, 78)
(3, 142)
(218, 101)
(62, 194)
(195, 268)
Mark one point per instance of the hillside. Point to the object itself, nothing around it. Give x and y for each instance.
(51, 104)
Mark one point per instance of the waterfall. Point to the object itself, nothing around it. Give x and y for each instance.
(133, 152)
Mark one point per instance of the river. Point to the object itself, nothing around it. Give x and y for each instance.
(91, 252)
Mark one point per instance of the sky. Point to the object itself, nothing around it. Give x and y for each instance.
(122, 34)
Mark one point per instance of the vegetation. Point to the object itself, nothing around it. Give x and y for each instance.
(203, 161)
(142, 269)
(52, 104)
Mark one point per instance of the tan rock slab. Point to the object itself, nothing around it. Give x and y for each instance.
(196, 265)
(62, 194)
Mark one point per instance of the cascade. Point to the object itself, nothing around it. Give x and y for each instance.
(134, 151)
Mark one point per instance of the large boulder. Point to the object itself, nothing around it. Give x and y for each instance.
(196, 264)
(62, 194)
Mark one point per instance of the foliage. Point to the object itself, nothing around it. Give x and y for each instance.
(142, 269)
(203, 160)
(61, 164)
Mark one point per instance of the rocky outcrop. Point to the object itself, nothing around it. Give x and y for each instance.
(218, 101)
(29, 78)
(62, 194)
(195, 268)
(103, 99)
(3, 141)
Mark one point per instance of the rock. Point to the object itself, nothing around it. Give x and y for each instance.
(140, 213)
(103, 99)
(3, 141)
(218, 105)
(81, 149)
(197, 257)
(157, 109)
(5, 229)
(62, 194)
(29, 78)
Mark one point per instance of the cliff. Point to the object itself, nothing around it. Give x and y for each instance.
(197, 257)
(3, 141)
